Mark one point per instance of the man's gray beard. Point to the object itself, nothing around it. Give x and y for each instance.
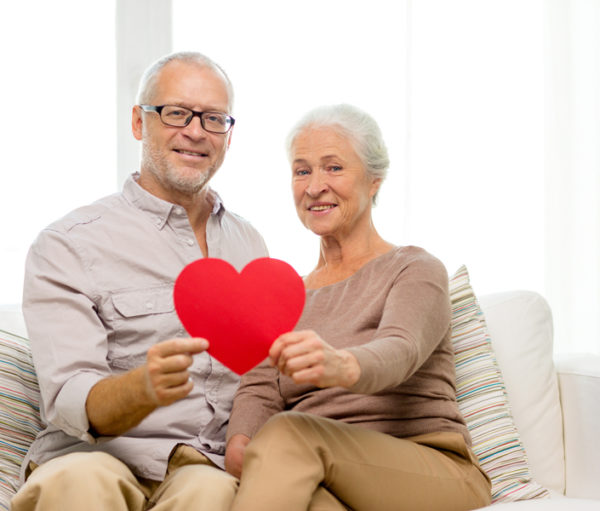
(170, 179)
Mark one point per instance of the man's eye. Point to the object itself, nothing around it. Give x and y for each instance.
(176, 113)
(215, 118)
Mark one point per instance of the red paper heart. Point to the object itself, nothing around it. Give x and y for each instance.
(240, 314)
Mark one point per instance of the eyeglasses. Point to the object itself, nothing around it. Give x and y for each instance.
(179, 116)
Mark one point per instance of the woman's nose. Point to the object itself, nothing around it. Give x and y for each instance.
(317, 184)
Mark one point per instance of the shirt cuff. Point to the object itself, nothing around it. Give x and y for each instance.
(70, 406)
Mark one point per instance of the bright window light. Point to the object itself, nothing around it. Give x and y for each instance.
(457, 88)
(58, 126)
(285, 58)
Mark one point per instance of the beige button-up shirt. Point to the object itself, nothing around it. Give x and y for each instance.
(97, 294)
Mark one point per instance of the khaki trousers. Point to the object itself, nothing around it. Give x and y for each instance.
(300, 462)
(97, 481)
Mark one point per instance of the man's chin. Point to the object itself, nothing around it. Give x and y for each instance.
(189, 184)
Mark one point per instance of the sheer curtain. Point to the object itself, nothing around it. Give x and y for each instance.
(58, 120)
(490, 111)
(572, 162)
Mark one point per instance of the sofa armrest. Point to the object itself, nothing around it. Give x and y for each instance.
(579, 380)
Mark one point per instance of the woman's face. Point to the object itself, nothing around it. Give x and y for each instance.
(332, 191)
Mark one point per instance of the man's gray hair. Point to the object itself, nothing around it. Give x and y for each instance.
(355, 124)
(147, 85)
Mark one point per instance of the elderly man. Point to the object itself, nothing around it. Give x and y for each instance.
(136, 411)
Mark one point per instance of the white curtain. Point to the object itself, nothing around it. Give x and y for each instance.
(572, 165)
(490, 109)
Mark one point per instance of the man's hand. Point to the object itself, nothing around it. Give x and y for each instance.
(166, 376)
(234, 455)
(306, 358)
(117, 404)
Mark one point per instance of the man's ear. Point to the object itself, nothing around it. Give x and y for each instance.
(230, 134)
(136, 122)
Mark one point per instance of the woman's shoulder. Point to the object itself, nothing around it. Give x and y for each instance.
(414, 260)
(413, 254)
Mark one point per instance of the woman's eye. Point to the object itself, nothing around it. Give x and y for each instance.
(301, 172)
(334, 168)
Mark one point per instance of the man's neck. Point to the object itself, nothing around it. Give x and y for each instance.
(198, 205)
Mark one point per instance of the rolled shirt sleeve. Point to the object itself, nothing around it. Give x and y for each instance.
(98, 293)
(68, 340)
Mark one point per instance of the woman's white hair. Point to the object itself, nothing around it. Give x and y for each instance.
(147, 85)
(355, 124)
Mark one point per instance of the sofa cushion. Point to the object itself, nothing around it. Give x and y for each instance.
(19, 410)
(559, 504)
(483, 402)
(520, 327)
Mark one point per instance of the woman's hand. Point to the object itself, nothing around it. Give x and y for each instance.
(306, 358)
(234, 454)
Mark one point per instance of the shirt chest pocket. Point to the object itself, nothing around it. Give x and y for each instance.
(138, 319)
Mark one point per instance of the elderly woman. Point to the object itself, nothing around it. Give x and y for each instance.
(357, 407)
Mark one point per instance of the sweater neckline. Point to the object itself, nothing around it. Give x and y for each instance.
(363, 268)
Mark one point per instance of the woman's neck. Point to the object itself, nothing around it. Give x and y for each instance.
(341, 258)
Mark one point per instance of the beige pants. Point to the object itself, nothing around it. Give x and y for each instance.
(99, 482)
(300, 462)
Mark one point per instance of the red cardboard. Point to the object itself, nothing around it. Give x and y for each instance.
(240, 314)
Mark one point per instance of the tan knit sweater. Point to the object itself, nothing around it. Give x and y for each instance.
(393, 314)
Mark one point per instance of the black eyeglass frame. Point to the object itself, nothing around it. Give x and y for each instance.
(159, 108)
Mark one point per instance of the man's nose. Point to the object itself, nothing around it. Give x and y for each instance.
(194, 129)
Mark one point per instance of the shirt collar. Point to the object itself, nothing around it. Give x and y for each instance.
(160, 209)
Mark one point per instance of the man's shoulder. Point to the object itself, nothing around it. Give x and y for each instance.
(88, 214)
(241, 223)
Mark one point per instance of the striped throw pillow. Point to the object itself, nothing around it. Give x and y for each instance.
(483, 401)
(19, 410)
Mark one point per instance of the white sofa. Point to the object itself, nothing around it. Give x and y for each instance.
(555, 401)
(555, 404)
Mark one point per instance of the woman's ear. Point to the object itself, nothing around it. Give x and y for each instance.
(375, 186)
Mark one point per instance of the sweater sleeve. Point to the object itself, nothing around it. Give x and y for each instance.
(415, 320)
(256, 399)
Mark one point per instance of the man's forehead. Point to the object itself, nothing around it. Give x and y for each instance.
(187, 83)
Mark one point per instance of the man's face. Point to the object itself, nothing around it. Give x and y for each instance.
(181, 160)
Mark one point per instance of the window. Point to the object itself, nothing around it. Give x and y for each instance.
(58, 126)
(292, 58)
(460, 105)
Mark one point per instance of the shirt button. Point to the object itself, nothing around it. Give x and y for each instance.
(149, 305)
(189, 241)
(178, 210)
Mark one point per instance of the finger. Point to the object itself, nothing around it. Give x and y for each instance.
(303, 361)
(179, 345)
(171, 380)
(176, 363)
(169, 395)
(172, 364)
(312, 375)
(312, 347)
(288, 339)
(281, 342)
